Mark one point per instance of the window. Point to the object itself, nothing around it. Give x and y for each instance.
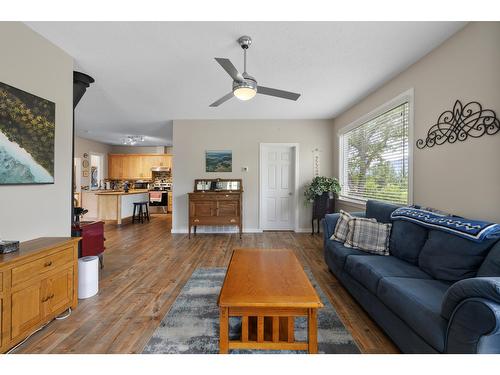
(374, 155)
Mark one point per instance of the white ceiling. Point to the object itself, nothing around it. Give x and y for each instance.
(151, 73)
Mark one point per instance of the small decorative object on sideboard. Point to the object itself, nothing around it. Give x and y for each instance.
(321, 193)
(8, 246)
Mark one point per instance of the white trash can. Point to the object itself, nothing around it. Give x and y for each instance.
(88, 277)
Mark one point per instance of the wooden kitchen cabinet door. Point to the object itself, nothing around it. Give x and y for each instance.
(26, 309)
(134, 164)
(115, 167)
(58, 290)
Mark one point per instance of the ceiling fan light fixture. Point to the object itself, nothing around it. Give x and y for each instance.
(244, 93)
(246, 89)
(244, 85)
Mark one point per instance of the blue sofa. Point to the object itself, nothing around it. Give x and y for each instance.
(435, 293)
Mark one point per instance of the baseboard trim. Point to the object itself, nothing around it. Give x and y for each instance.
(304, 230)
(215, 231)
(245, 230)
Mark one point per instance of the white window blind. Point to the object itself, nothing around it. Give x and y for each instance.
(374, 158)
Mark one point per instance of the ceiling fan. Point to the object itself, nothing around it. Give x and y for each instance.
(244, 85)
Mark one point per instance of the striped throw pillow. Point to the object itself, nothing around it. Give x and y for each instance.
(369, 235)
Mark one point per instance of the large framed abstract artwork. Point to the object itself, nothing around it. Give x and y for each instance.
(219, 161)
(27, 131)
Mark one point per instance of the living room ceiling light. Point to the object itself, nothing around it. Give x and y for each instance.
(244, 85)
(132, 140)
(245, 90)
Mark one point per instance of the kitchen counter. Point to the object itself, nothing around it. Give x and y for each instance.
(121, 192)
(117, 206)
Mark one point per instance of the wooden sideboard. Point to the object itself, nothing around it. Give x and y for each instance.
(215, 206)
(37, 283)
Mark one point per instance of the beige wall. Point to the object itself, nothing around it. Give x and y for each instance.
(83, 145)
(462, 178)
(193, 138)
(31, 63)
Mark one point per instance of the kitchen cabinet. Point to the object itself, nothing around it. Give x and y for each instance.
(135, 166)
(115, 167)
(37, 283)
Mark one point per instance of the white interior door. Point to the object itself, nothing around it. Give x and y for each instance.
(277, 187)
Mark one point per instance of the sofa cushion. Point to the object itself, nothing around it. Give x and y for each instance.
(418, 303)
(407, 240)
(491, 265)
(369, 235)
(380, 211)
(341, 227)
(369, 270)
(339, 253)
(449, 257)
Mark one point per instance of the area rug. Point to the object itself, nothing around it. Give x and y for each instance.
(192, 324)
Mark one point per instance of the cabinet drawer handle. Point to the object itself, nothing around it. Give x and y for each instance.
(47, 298)
(232, 220)
(48, 264)
(196, 220)
(227, 195)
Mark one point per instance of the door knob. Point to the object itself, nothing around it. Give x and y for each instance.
(290, 193)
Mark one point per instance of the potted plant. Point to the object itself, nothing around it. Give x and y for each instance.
(321, 192)
(321, 186)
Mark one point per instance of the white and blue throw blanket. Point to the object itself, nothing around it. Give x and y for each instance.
(473, 230)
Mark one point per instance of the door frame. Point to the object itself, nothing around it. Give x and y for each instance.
(295, 181)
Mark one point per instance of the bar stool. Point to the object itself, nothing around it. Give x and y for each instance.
(141, 214)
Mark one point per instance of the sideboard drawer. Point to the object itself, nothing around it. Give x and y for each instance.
(40, 266)
(214, 197)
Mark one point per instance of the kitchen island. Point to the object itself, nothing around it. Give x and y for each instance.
(117, 207)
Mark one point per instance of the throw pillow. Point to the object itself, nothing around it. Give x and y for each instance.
(342, 227)
(368, 235)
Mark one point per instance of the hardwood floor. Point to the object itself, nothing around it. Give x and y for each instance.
(145, 267)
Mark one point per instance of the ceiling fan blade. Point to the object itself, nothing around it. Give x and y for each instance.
(230, 69)
(225, 98)
(277, 93)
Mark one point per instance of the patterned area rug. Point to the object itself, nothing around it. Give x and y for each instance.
(192, 324)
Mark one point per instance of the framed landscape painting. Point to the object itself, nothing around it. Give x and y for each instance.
(219, 161)
(27, 131)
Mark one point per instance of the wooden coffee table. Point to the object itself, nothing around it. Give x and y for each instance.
(267, 288)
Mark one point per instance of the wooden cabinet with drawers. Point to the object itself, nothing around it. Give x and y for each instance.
(215, 206)
(36, 284)
(135, 166)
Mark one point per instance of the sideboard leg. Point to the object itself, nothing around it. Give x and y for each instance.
(189, 231)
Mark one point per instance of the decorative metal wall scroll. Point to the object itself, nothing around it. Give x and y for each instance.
(316, 162)
(460, 123)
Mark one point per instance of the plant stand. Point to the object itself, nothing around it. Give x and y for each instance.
(322, 205)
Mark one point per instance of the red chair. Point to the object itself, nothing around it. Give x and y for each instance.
(92, 243)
